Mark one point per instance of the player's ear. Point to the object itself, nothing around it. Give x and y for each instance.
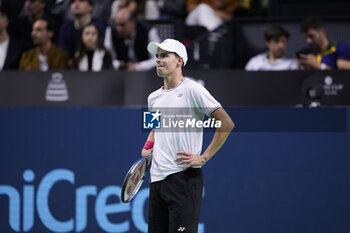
(179, 61)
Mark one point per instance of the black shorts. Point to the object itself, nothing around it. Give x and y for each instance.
(174, 203)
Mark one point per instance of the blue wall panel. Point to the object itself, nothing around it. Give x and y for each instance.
(282, 170)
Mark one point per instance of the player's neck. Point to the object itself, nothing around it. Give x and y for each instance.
(173, 81)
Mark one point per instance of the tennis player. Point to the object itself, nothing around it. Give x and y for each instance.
(176, 175)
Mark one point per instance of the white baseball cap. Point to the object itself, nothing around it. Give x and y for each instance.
(169, 45)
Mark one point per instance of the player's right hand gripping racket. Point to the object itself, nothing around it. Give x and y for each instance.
(134, 178)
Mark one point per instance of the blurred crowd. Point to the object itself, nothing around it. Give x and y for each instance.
(95, 35)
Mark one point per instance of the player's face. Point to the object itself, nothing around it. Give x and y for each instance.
(166, 63)
(315, 39)
(277, 46)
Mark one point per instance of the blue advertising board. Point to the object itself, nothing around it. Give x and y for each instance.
(281, 170)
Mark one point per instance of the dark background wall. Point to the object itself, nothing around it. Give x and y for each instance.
(230, 87)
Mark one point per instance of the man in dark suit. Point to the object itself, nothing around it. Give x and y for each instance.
(127, 40)
(10, 48)
(21, 28)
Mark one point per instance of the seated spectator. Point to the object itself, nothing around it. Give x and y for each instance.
(276, 39)
(127, 40)
(92, 54)
(170, 9)
(45, 56)
(21, 28)
(10, 48)
(60, 8)
(70, 32)
(324, 54)
(209, 13)
(144, 9)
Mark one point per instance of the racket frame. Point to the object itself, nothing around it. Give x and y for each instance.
(147, 160)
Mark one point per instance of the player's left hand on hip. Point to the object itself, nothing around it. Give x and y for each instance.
(190, 159)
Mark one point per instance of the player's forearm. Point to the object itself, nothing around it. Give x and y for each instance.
(147, 150)
(218, 140)
(150, 136)
(221, 133)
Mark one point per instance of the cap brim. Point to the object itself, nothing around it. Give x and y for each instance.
(153, 47)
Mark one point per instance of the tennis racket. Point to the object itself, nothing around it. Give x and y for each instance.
(134, 178)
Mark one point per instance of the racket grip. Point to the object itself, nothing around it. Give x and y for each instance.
(149, 159)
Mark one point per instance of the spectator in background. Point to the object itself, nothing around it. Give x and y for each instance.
(153, 9)
(325, 54)
(144, 9)
(70, 32)
(127, 40)
(101, 10)
(45, 56)
(276, 38)
(209, 13)
(170, 9)
(92, 55)
(21, 28)
(10, 48)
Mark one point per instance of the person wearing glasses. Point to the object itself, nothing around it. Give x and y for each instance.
(127, 40)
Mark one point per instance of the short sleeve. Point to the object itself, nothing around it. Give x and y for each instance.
(204, 100)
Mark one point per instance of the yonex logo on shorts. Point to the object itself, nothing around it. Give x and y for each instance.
(181, 229)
